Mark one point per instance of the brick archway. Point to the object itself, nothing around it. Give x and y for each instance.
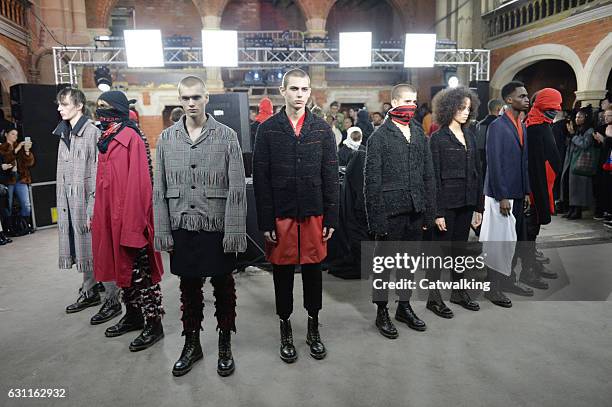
(513, 64)
(98, 12)
(11, 72)
(598, 66)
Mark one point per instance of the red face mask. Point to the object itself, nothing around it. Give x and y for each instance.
(402, 114)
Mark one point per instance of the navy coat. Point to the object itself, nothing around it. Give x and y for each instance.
(507, 176)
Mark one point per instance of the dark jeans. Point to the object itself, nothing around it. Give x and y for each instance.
(405, 227)
(312, 281)
(602, 189)
(458, 222)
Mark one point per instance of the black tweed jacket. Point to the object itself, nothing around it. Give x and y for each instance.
(399, 176)
(295, 177)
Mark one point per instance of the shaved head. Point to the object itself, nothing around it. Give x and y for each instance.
(397, 90)
(190, 82)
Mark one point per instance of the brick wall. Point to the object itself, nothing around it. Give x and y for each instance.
(254, 15)
(172, 17)
(18, 50)
(152, 126)
(582, 39)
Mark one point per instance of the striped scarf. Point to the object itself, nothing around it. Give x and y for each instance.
(402, 114)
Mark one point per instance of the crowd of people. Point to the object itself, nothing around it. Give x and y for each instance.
(409, 173)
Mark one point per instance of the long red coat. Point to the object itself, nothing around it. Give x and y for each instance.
(123, 211)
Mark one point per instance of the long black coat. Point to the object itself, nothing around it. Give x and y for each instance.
(457, 170)
(295, 177)
(399, 176)
(542, 149)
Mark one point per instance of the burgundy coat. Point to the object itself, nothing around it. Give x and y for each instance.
(123, 211)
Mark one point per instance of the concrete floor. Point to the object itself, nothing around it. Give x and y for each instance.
(539, 353)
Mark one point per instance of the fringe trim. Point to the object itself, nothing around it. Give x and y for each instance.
(213, 179)
(66, 262)
(158, 195)
(163, 243)
(236, 197)
(192, 305)
(152, 308)
(63, 227)
(85, 266)
(233, 243)
(194, 222)
(74, 190)
(225, 305)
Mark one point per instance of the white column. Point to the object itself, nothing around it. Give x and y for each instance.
(592, 97)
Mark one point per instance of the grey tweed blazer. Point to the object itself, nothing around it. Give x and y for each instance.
(200, 185)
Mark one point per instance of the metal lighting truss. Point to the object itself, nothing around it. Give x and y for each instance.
(67, 59)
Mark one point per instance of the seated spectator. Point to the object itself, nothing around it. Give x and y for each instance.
(349, 145)
(20, 159)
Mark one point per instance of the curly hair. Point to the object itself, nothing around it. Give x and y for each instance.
(449, 101)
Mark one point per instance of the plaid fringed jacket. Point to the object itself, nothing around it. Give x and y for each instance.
(200, 185)
(75, 192)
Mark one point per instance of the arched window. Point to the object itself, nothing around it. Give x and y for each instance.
(524, 15)
(544, 8)
(513, 21)
(530, 13)
(536, 11)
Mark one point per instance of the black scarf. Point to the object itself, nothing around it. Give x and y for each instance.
(112, 121)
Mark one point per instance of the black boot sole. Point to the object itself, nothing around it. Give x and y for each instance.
(108, 318)
(411, 326)
(183, 372)
(464, 305)
(225, 373)
(317, 356)
(548, 276)
(535, 285)
(500, 304)
(289, 360)
(116, 334)
(440, 314)
(387, 335)
(148, 345)
(93, 304)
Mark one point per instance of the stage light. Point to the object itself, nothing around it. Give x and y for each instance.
(143, 48)
(253, 78)
(220, 48)
(103, 78)
(355, 50)
(420, 50)
(453, 81)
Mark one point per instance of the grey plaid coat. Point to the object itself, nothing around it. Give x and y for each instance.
(200, 186)
(75, 191)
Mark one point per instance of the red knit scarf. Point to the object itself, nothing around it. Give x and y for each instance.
(402, 114)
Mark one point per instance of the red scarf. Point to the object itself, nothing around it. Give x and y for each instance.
(402, 114)
(546, 99)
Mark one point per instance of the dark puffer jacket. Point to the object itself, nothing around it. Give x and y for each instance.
(295, 177)
(399, 176)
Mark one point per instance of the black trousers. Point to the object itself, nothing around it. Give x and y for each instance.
(192, 302)
(458, 221)
(312, 281)
(405, 227)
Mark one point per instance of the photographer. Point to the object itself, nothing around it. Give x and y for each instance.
(18, 159)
